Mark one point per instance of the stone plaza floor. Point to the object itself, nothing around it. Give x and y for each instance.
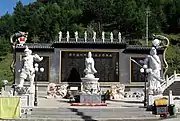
(130, 109)
(127, 109)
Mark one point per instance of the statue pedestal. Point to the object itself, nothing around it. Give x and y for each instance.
(27, 103)
(27, 100)
(90, 98)
(90, 85)
(152, 98)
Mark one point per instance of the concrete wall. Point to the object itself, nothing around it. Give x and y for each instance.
(55, 63)
(87, 50)
(125, 68)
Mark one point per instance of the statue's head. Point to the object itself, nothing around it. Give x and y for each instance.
(156, 42)
(153, 51)
(27, 51)
(89, 55)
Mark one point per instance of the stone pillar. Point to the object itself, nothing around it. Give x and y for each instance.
(174, 74)
(170, 100)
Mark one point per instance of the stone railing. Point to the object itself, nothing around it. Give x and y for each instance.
(170, 80)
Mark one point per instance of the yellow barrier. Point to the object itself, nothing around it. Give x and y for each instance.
(9, 107)
(159, 102)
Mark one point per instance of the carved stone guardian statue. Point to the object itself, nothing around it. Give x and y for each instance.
(154, 76)
(28, 70)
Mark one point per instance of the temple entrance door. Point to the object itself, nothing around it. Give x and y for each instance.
(74, 79)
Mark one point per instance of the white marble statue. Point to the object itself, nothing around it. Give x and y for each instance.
(156, 43)
(67, 36)
(119, 36)
(85, 36)
(51, 90)
(103, 36)
(62, 91)
(154, 76)
(54, 91)
(90, 84)
(94, 36)
(111, 37)
(76, 35)
(89, 64)
(60, 36)
(117, 91)
(28, 70)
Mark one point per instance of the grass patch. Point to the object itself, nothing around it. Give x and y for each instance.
(5, 71)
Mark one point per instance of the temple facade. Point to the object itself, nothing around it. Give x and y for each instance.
(116, 62)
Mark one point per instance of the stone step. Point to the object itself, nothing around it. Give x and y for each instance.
(87, 113)
(86, 116)
(81, 110)
(175, 87)
(78, 112)
(96, 115)
(69, 113)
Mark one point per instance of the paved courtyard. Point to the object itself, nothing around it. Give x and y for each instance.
(60, 109)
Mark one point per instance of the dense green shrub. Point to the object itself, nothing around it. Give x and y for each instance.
(1, 85)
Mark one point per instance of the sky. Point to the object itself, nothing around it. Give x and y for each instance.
(8, 5)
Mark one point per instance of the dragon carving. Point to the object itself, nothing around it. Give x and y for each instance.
(17, 39)
(165, 45)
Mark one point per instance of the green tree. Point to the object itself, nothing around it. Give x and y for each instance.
(4, 47)
(6, 25)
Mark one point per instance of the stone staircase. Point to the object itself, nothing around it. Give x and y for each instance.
(172, 83)
(85, 113)
(175, 87)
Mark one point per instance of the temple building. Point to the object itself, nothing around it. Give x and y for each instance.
(116, 62)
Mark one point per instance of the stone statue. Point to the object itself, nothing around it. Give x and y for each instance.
(103, 36)
(56, 92)
(19, 39)
(28, 71)
(89, 82)
(111, 37)
(154, 76)
(60, 36)
(51, 90)
(119, 36)
(117, 91)
(62, 91)
(94, 36)
(67, 36)
(89, 64)
(85, 36)
(76, 35)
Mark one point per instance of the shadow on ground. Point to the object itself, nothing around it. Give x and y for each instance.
(84, 117)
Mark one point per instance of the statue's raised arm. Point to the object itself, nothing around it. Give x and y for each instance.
(38, 58)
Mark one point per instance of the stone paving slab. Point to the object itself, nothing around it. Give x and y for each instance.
(97, 119)
(54, 103)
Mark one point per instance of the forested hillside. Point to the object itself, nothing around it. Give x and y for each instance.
(45, 18)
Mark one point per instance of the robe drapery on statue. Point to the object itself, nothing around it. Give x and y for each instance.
(154, 75)
(89, 64)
